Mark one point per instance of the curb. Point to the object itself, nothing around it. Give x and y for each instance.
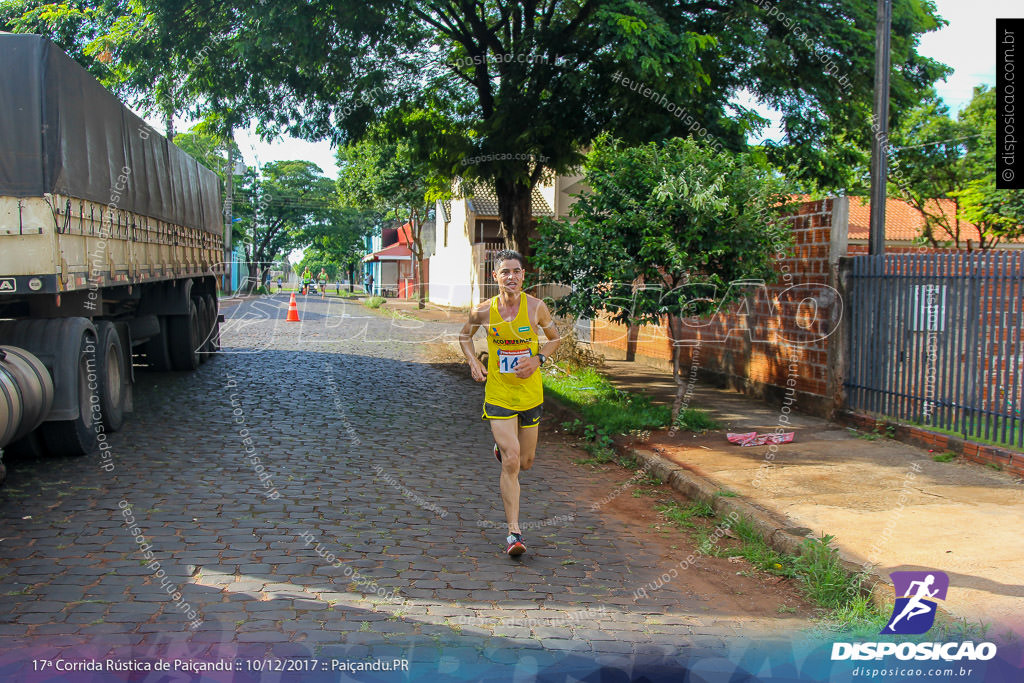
(774, 532)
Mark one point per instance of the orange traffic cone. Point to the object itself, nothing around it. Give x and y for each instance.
(293, 311)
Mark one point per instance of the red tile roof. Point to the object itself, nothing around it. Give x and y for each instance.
(904, 223)
(396, 252)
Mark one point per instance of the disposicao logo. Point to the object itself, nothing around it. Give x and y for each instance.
(914, 612)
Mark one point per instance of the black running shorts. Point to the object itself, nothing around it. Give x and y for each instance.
(527, 418)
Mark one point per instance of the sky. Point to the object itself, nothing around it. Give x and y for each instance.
(967, 44)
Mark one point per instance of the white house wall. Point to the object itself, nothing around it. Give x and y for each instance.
(451, 266)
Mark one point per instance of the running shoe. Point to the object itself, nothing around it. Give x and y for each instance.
(497, 453)
(516, 547)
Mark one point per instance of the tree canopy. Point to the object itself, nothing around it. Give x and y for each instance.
(119, 42)
(665, 230)
(384, 177)
(541, 79)
(283, 206)
(937, 156)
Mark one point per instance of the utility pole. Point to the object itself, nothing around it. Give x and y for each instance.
(880, 137)
(229, 199)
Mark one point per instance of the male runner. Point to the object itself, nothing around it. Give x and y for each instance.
(513, 395)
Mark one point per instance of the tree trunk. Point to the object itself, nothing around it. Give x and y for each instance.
(422, 300)
(515, 210)
(675, 326)
(169, 120)
(416, 233)
(632, 331)
(351, 277)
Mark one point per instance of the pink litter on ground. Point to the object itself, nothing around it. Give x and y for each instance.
(755, 439)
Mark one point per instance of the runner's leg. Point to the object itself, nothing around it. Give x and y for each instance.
(506, 435)
(527, 446)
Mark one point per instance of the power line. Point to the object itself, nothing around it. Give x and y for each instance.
(939, 142)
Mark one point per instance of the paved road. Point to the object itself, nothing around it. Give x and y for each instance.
(317, 490)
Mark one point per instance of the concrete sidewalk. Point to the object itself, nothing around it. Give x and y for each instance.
(888, 504)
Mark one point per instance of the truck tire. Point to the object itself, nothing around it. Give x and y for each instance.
(203, 316)
(183, 339)
(155, 350)
(28, 447)
(212, 344)
(78, 436)
(113, 375)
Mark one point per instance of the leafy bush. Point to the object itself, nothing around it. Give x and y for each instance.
(374, 302)
(825, 580)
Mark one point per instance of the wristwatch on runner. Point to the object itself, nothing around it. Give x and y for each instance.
(542, 358)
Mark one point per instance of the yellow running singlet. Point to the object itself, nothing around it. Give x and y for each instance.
(507, 344)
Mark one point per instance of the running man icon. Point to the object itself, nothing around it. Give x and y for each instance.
(917, 605)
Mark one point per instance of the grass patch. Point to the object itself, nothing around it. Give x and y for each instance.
(694, 420)
(968, 432)
(948, 456)
(682, 517)
(857, 618)
(609, 409)
(874, 434)
(755, 551)
(374, 302)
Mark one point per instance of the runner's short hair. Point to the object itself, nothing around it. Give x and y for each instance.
(507, 254)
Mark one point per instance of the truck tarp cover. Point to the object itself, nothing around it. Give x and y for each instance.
(62, 132)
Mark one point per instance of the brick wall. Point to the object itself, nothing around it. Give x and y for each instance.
(1005, 459)
(780, 334)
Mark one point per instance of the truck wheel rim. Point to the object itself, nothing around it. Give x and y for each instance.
(113, 376)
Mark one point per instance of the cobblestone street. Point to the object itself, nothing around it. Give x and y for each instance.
(319, 490)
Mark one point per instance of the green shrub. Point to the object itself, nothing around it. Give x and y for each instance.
(825, 580)
(374, 302)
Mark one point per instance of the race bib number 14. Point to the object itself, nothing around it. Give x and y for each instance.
(508, 360)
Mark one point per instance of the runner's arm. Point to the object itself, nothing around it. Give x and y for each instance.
(476, 368)
(551, 334)
(552, 340)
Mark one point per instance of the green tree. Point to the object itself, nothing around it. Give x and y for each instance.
(541, 79)
(279, 209)
(998, 214)
(118, 42)
(340, 241)
(664, 232)
(936, 156)
(209, 150)
(927, 163)
(384, 177)
(73, 26)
